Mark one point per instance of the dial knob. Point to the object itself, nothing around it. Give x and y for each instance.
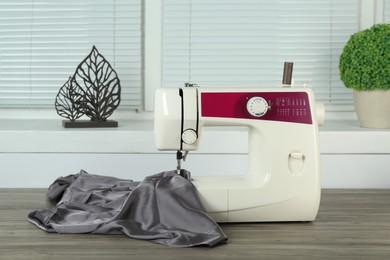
(189, 136)
(257, 106)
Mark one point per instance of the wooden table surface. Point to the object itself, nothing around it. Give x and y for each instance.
(351, 224)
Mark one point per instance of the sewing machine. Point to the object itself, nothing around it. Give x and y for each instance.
(283, 182)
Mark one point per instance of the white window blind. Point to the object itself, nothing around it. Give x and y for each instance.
(245, 43)
(386, 11)
(43, 41)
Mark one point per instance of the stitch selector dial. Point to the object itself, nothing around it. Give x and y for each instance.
(257, 106)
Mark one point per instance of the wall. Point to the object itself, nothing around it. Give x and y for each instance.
(34, 154)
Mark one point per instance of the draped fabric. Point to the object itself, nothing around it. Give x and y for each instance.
(164, 208)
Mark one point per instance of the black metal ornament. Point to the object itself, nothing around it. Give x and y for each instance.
(69, 100)
(94, 91)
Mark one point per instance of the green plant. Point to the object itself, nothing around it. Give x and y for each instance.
(365, 60)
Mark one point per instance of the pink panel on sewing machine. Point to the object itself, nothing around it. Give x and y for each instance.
(282, 106)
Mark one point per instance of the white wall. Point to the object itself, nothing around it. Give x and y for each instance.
(40, 170)
(34, 153)
(355, 171)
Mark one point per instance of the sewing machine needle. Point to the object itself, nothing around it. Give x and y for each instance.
(179, 156)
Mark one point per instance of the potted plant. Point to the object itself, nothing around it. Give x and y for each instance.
(365, 67)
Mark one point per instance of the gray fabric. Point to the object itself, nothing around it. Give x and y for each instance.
(164, 208)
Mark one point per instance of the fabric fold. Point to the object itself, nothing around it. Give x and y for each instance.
(164, 208)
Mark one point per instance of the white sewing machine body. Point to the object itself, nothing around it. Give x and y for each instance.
(283, 182)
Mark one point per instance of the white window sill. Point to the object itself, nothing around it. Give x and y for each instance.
(136, 136)
(347, 137)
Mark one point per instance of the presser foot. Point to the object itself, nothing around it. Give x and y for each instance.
(180, 155)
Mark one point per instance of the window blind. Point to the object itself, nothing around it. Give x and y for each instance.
(43, 41)
(386, 11)
(245, 43)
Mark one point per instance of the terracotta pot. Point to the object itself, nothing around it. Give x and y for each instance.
(373, 108)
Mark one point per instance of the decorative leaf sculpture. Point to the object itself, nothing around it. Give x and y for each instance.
(94, 90)
(70, 100)
(100, 84)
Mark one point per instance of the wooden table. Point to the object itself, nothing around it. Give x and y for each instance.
(352, 224)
